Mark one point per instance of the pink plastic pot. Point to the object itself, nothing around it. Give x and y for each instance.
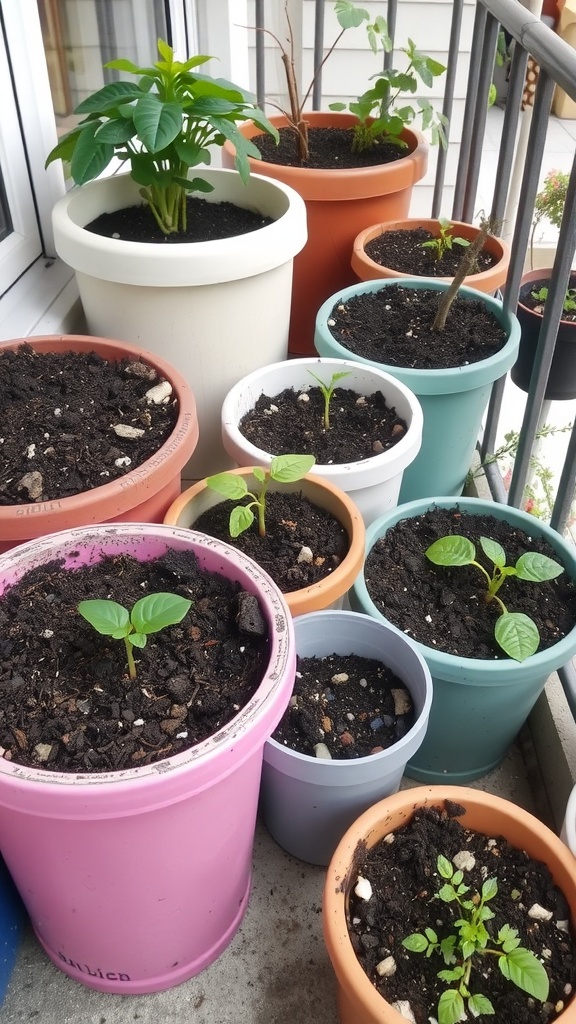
(144, 494)
(137, 880)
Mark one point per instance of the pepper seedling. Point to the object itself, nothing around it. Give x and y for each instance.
(517, 634)
(471, 937)
(283, 468)
(149, 615)
(444, 240)
(328, 390)
(569, 303)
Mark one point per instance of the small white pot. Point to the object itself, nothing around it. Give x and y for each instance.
(568, 833)
(373, 483)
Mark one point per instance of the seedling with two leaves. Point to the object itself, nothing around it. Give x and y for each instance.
(284, 469)
(444, 240)
(328, 390)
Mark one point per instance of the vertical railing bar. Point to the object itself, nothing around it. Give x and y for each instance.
(565, 492)
(494, 478)
(318, 53)
(567, 676)
(469, 107)
(483, 87)
(509, 130)
(391, 17)
(260, 53)
(448, 103)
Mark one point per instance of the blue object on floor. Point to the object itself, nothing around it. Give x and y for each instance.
(12, 917)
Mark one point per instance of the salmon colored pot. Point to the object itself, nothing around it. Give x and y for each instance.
(358, 1000)
(488, 281)
(339, 202)
(327, 593)
(142, 495)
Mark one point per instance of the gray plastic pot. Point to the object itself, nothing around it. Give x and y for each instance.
(309, 803)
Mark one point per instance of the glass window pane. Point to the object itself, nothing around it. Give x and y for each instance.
(5, 218)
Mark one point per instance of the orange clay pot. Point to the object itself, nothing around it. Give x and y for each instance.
(339, 202)
(488, 281)
(144, 494)
(358, 1000)
(327, 593)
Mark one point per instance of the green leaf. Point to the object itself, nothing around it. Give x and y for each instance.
(416, 943)
(489, 889)
(445, 869)
(107, 617)
(241, 518)
(89, 157)
(525, 970)
(229, 484)
(137, 639)
(157, 123)
(453, 975)
(288, 468)
(536, 567)
(259, 474)
(109, 97)
(452, 550)
(447, 894)
(115, 132)
(156, 611)
(517, 635)
(349, 16)
(450, 1007)
(494, 551)
(479, 1004)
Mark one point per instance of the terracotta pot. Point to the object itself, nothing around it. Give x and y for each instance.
(358, 1000)
(327, 593)
(339, 202)
(487, 281)
(561, 384)
(142, 495)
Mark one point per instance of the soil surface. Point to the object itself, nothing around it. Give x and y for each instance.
(354, 706)
(63, 417)
(404, 878)
(66, 700)
(361, 426)
(206, 222)
(443, 607)
(402, 250)
(537, 305)
(329, 148)
(303, 544)
(394, 326)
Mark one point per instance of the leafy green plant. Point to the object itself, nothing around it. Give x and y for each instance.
(471, 939)
(569, 304)
(444, 240)
(284, 468)
(549, 204)
(149, 615)
(162, 124)
(327, 392)
(516, 633)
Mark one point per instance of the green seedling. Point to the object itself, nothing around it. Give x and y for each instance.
(517, 634)
(149, 615)
(471, 939)
(284, 468)
(444, 240)
(328, 390)
(569, 304)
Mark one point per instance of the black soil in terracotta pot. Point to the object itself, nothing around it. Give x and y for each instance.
(403, 250)
(329, 148)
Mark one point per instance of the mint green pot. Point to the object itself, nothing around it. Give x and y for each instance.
(453, 401)
(478, 706)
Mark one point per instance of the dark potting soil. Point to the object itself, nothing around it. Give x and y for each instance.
(66, 700)
(303, 544)
(206, 222)
(443, 607)
(62, 420)
(352, 705)
(402, 250)
(329, 148)
(404, 878)
(528, 299)
(394, 326)
(361, 426)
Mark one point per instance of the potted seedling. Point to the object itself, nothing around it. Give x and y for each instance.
(129, 737)
(465, 909)
(374, 433)
(379, 156)
(313, 541)
(491, 648)
(165, 291)
(446, 342)
(561, 384)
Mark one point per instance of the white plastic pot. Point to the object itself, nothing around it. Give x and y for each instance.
(568, 833)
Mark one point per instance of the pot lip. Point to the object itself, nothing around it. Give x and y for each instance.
(398, 454)
(426, 381)
(118, 536)
(348, 970)
(541, 275)
(332, 587)
(340, 765)
(135, 486)
(452, 666)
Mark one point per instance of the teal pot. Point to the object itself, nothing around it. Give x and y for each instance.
(479, 705)
(561, 385)
(308, 803)
(453, 400)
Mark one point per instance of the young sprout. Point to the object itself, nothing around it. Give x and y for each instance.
(470, 938)
(328, 390)
(516, 633)
(149, 615)
(284, 468)
(444, 240)
(569, 303)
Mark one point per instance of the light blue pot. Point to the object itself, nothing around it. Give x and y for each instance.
(478, 706)
(453, 400)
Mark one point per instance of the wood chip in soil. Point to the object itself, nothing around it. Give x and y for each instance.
(402, 250)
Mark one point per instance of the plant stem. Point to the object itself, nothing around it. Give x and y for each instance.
(464, 268)
(130, 658)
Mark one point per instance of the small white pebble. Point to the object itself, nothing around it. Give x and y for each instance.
(303, 397)
(402, 702)
(387, 967)
(538, 913)
(305, 555)
(363, 683)
(43, 751)
(104, 473)
(321, 751)
(31, 451)
(125, 430)
(428, 618)
(138, 721)
(182, 735)
(47, 633)
(159, 394)
(57, 412)
(563, 926)
(273, 408)
(361, 400)
(546, 953)
(464, 860)
(349, 716)
(567, 988)
(115, 234)
(402, 1006)
(340, 677)
(390, 838)
(124, 460)
(363, 889)
(331, 322)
